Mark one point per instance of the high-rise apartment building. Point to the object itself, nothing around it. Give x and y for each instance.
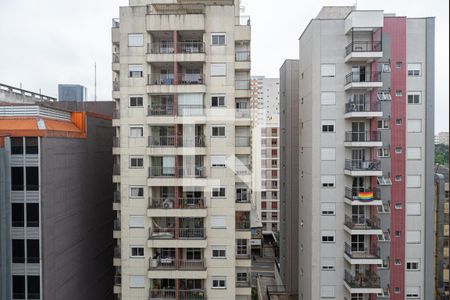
(72, 92)
(181, 82)
(55, 202)
(265, 99)
(366, 130)
(442, 225)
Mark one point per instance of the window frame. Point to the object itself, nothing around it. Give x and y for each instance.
(218, 34)
(135, 97)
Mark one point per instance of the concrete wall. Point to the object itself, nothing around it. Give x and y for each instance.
(5, 221)
(77, 245)
(289, 174)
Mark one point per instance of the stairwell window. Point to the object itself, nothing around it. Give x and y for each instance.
(328, 181)
(218, 101)
(136, 131)
(383, 124)
(328, 125)
(136, 162)
(219, 282)
(218, 39)
(135, 40)
(218, 131)
(136, 192)
(414, 97)
(218, 192)
(137, 251)
(414, 69)
(218, 252)
(328, 236)
(135, 71)
(136, 101)
(328, 70)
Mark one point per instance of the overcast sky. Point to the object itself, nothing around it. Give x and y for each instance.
(46, 42)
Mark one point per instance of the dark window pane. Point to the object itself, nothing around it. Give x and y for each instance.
(17, 215)
(33, 251)
(32, 214)
(17, 178)
(32, 178)
(31, 145)
(18, 251)
(18, 286)
(16, 145)
(33, 285)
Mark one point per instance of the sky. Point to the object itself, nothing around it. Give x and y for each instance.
(46, 42)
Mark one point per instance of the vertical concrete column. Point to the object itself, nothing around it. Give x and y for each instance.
(175, 104)
(175, 63)
(177, 286)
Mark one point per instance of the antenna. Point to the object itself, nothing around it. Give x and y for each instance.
(95, 81)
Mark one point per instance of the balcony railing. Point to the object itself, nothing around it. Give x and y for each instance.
(363, 136)
(177, 233)
(243, 283)
(176, 141)
(242, 141)
(175, 79)
(116, 169)
(116, 86)
(117, 280)
(362, 194)
(363, 46)
(116, 252)
(242, 84)
(243, 20)
(361, 223)
(161, 110)
(242, 113)
(171, 203)
(180, 47)
(116, 114)
(242, 56)
(362, 253)
(362, 165)
(363, 106)
(194, 294)
(116, 225)
(116, 141)
(179, 172)
(116, 197)
(171, 263)
(367, 280)
(162, 294)
(242, 225)
(116, 58)
(363, 77)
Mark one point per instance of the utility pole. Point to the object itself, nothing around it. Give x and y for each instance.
(95, 81)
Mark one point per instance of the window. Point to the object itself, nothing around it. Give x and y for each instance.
(241, 247)
(136, 162)
(328, 125)
(413, 153)
(398, 64)
(17, 215)
(33, 287)
(218, 131)
(218, 39)
(32, 214)
(218, 222)
(383, 152)
(137, 251)
(135, 71)
(136, 222)
(135, 40)
(397, 233)
(218, 69)
(193, 254)
(18, 286)
(398, 150)
(327, 236)
(398, 178)
(218, 282)
(413, 265)
(31, 145)
(414, 69)
(136, 192)
(328, 264)
(241, 276)
(136, 101)
(413, 237)
(328, 70)
(218, 161)
(412, 292)
(218, 251)
(384, 181)
(398, 93)
(398, 122)
(397, 262)
(327, 291)
(327, 209)
(413, 209)
(383, 124)
(16, 145)
(327, 98)
(137, 281)
(218, 192)
(32, 178)
(327, 154)
(17, 179)
(136, 131)
(218, 101)
(386, 67)
(18, 251)
(398, 206)
(384, 95)
(413, 181)
(414, 97)
(414, 125)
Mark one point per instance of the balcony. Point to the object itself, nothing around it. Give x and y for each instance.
(175, 83)
(171, 263)
(176, 141)
(161, 110)
(363, 80)
(177, 172)
(242, 84)
(359, 168)
(173, 203)
(363, 51)
(368, 283)
(362, 225)
(362, 196)
(197, 294)
(242, 113)
(362, 256)
(363, 109)
(160, 233)
(181, 51)
(363, 139)
(242, 141)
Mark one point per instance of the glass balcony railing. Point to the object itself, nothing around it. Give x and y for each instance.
(364, 46)
(363, 136)
(177, 233)
(362, 165)
(353, 77)
(362, 280)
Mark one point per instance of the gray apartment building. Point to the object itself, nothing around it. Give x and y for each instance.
(72, 92)
(366, 155)
(55, 202)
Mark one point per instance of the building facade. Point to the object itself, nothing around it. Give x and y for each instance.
(182, 152)
(366, 130)
(265, 99)
(442, 259)
(72, 92)
(55, 203)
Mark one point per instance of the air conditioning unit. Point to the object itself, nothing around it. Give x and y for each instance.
(168, 203)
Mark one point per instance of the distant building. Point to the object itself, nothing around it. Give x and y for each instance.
(72, 92)
(265, 99)
(441, 138)
(56, 201)
(11, 94)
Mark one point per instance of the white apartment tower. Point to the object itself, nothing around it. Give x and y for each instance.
(181, 83)
(366, 123)
(265, 99)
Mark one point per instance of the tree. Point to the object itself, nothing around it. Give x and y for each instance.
(441, 154)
